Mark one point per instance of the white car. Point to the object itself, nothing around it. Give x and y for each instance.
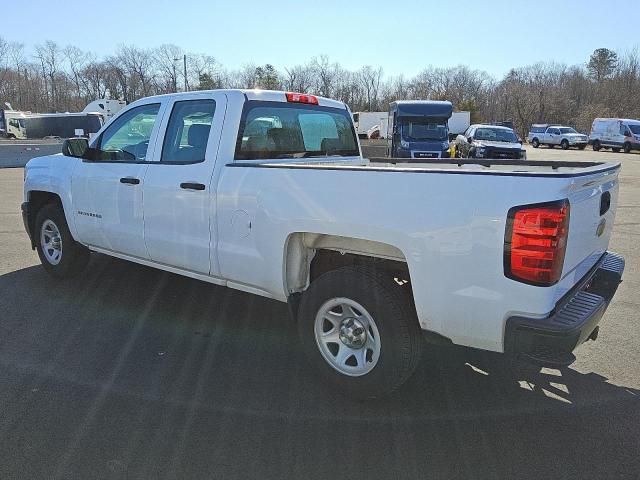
(267, 192)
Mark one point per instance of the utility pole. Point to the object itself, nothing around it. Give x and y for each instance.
(186, 85)
(175, 78)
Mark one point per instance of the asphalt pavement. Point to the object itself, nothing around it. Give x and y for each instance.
(128, 372)
(16, 153)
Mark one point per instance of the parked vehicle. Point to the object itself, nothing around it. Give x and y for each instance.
(365, 121)
(419, 129)
(458, 123)
(489, 141)
(267, 192)
(503, 123)
(552, 135)
(27, 125)
(105, 106)
(616, 134)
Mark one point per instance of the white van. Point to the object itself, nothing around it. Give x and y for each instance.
(615, 133)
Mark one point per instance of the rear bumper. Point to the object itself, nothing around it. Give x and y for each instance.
(549, 341)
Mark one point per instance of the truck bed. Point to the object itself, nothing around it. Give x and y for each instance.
(556, 169)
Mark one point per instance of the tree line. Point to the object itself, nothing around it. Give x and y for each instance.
(55, 78)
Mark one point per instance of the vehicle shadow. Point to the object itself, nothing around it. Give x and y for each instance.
(138, 345)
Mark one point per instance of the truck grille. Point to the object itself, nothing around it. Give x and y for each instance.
(497, 153)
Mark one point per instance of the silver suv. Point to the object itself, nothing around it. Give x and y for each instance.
(552, 135)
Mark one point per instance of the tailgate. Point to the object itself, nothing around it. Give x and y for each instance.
(593, 200)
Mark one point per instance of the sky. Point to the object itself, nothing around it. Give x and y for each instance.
(402, 36)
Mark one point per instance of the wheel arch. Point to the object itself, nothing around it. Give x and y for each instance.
(36, 200)
(308, 255)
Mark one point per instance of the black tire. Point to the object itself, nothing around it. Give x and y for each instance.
(596, 146)
(615, 149)
(564, 144)
(393, 312)
(73, 256)
(626, 147)
(535, 143)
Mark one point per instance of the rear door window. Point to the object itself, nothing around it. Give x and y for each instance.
(288, 130)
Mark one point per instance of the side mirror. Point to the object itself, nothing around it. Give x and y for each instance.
(75, 147)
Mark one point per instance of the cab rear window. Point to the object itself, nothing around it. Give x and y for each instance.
(286, 130)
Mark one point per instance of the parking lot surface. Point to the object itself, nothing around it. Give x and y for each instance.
(16, 153)
(129, 372)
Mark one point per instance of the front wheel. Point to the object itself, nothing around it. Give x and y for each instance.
(627, 147)
(359, 330)
(596, 145)
(60, 254)
(564, 144)
(535, 143)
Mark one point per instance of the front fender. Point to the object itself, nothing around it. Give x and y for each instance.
(52, 174)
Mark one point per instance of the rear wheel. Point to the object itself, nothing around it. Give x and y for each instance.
(627, 147)
(564, 144)
(60, 254)
(596, 145)
(535, 143)
(359, 330)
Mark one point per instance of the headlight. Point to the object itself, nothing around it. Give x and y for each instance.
(404, 144)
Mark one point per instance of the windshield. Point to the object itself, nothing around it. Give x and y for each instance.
(422, 129)
(565, 130)
(495, 135)
(294, 130)
(635, 128)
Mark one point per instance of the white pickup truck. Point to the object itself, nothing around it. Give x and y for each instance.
(267, 192)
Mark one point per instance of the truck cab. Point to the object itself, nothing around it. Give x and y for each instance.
(419, 129)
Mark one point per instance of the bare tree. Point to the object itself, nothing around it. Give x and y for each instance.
(48, 55)
(370, 78)
(168, 62)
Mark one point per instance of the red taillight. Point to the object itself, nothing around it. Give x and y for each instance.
(301, 98)
(535, 242)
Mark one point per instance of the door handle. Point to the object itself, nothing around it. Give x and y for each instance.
(192, 186)
(130, 180)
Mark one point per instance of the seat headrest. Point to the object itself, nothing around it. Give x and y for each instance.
(330, 144)
(198, 135)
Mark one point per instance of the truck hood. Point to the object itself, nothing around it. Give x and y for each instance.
(503, 145)
(577, 136)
